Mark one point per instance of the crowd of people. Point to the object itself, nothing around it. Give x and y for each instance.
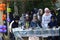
(37, 18)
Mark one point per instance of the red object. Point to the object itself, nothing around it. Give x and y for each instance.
(4, 17)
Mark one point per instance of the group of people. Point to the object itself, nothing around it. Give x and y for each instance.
(35, 19)
(39, 19)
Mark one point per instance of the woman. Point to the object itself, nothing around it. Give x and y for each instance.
(53, 22)
(46, 18)
(26, 22)
(39, 14)
(34, 23)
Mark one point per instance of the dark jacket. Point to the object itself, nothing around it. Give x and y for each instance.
(53, 24)
(14, 25)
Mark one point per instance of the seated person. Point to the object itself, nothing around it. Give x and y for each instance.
(53, 22)
(34, 22)
(33, 25)
(26, 22)
(13, 24)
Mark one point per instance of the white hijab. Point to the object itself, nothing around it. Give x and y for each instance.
(47, 9)
(46, 16)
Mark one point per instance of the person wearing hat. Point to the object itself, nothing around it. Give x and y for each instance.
(13, 24)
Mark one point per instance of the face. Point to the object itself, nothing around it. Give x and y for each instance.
(47, 11)
(16, 20)
(27, 17)
(35, 18)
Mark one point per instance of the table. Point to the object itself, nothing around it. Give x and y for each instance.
(36, 32)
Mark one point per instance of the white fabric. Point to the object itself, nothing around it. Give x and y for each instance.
(10, 26)
(46, 20)
(46, 9)
(27, 15)
(39, 17)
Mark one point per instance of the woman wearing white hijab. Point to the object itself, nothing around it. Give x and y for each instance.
(46, 18)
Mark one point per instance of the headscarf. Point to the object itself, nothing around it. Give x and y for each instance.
(47, 11)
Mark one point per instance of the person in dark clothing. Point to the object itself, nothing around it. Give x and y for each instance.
(35, 10)
(58, 18)
(11, 16)
(53, 13)
(13, 24)
(53, 22)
